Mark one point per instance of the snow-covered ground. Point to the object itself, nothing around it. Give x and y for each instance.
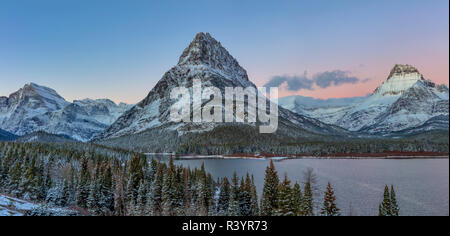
(14, 207)
(10, 206)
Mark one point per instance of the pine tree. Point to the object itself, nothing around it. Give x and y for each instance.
(135, 176)
(394, 206)
(385, 206)
(224, 198)
(187, 196)
(284, 199)
(202, 200)
(245, 198)
(156, 193)
(297, 200)
(141, 198)
(329, 203)
(92, 201)
(107, 191)
(84, 184)
(235, 191)
(269, 201)
(169, 190)
(311, 191)
(307, 208)
(254, 195)
(119, 201)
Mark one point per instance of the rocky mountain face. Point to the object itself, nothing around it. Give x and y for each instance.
(205, 59)
(405, 101)
(38, 108)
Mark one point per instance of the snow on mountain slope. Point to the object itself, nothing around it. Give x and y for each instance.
(405, 100)
(204, 59)
(421, 102)
(35, 108)
(26, 110)
(401, 78)
(329, 110)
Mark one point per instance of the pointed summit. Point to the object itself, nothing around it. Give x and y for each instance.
(148, 124)
(401, 78)
(404, 70)
(37, 95)
(204, 50)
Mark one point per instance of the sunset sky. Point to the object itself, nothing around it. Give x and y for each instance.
(120, 49)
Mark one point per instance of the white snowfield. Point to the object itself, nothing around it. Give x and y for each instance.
(14, 207)
(10, 206)
(404, 101)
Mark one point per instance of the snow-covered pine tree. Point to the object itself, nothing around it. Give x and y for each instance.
(169, 190)
(141, 200)
(119, 201)
(187, 195)
(224, 198)
(307, 208)
(269, 201)
(235, 190)
(385, 206)
(156, 192)
(245, 198)
(285, 207)
(254, 194)
(329, 203)
(84, 184)
(395, 209)
(297, 199)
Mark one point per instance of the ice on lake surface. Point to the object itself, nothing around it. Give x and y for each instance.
(421, 185)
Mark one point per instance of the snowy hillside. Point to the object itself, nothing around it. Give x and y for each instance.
(404, 101)
(10, 206)
(38, 108)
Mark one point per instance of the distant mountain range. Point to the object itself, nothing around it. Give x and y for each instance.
(405, 103)
(38, 108)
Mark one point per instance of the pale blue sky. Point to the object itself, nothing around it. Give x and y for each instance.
(120, 49)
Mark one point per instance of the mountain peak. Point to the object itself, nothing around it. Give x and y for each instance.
(400, 70)
(204, 50)
(36, 95)
(401, 78)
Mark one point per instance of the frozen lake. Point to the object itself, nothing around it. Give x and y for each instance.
(421, 185)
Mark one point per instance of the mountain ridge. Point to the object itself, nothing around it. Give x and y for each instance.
(38, 108)
(404, 101)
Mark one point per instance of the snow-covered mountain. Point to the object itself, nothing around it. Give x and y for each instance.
(38, 108)
(207, 60)
(404, 101)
